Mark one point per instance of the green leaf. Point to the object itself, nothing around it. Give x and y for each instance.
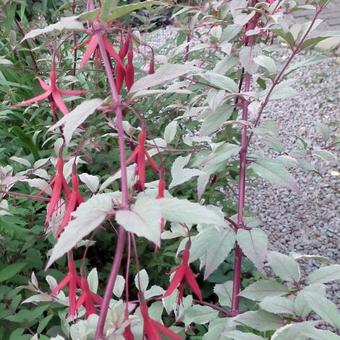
(142, 277)
(110, 13)
(254, 243)
(267, 62)
(277, 305)
(284, 266)
(170, 131)
(220, 81)
(184, 211)
(44, 322)
(180, 174)
(260, 320)
(325, 274)
(76, 117)
(287, 36)
(224, 292)
(212, 161)
(326, 309)
(199, 315)
(26, 141)
(274, 172)
(92, 279)
(263, 288)
(307, 62)
(67, 23)
(301, 306)
(210, 257)
(11, 270)
(325, 155)
(214, 120)
(162, 75)
(143, 219)
(119, 286)
(283, 91)
(294, 331)
(217, 329)
(89, 216)
(237, 335)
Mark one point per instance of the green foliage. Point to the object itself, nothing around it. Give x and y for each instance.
(191, 106)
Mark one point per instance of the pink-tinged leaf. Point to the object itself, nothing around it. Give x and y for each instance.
(44, 85)
(191, 280)
(111, 51)
(71, 92)
(34, 99)
(59, 102)
(176, 281)
(167, 332)
(62, 284)
(92, 45)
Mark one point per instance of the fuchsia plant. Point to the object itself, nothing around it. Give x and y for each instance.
(141, 207)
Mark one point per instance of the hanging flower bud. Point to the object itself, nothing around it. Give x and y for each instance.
(152, 65)
(130, 70)
(59, 186)
(70, 281)
(184, 275)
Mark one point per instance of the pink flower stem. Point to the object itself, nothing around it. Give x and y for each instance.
(124, 189)
(242, 175)
(244, 147)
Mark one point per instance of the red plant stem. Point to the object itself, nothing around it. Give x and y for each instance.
(242, 176)
(31, 197)
(124, 189)
(243, 153)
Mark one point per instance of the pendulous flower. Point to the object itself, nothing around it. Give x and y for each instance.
(88, 299)
(184, 275)
(74, 199)
(140, 156)
(53, 92)
(92, 46)
(58, 185)
(152, 329)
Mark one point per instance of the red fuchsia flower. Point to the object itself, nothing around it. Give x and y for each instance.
(58, 185)
(53, 92)
(74, 199)
(152, 329)
(92, 46)
(184, 275)
(128, 335)
(140, 156)
(119, 70)
(88, 299)
(71, 280)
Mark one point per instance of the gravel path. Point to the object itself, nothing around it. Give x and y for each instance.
(307, 222)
